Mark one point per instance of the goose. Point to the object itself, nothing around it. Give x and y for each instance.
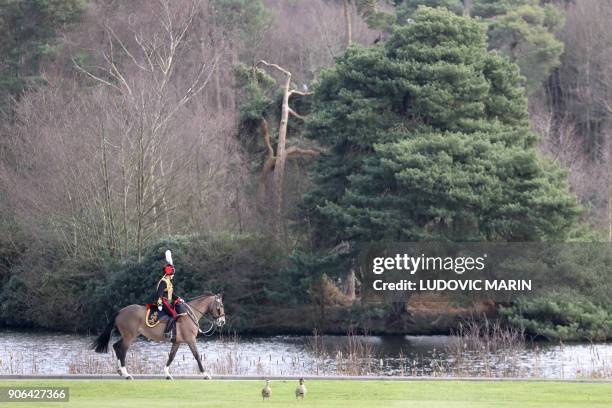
(300, 391)
(266, 392)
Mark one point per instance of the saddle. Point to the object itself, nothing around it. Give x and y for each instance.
(154, 316)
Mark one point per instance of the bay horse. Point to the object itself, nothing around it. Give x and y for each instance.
(130, 322)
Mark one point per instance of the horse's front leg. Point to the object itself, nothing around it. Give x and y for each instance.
(173, 350)
(194, 350)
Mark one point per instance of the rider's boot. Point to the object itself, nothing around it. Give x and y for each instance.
(170, 332)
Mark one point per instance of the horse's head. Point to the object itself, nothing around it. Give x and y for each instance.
(217, 310)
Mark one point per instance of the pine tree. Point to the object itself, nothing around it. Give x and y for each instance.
(427, 137)
(406, 8)
(525, 31)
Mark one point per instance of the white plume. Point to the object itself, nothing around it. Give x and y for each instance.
(169, 257)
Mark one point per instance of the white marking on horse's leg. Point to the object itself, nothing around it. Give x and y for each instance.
(167, 371)
(125, 374)
(206, 376)
(119, 368)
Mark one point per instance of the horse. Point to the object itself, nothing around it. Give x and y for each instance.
(130, 321)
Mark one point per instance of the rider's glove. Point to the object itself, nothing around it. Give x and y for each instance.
(159, 308)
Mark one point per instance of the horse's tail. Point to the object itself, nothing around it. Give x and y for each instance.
(100, 345)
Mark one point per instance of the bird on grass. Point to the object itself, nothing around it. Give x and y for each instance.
(266, 392)
(300, 391)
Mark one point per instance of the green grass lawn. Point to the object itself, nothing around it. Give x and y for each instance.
(349, 394)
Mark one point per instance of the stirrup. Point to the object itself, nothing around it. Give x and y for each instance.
(170, 335)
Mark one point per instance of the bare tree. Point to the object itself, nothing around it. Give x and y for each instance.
(589, 20)
(133, 135)
(307, 37)
(141, 149)
(140, 66)
(363, 8)
(276, 161)
(578, 133)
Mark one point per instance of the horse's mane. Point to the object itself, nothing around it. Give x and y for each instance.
(206, 294)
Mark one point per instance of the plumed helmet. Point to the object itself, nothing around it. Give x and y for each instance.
(169, 257)
(169, 268)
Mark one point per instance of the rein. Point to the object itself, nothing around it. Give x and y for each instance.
(196, 321)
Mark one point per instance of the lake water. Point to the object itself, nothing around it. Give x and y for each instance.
(52, 353)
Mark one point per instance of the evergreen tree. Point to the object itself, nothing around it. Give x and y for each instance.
(28, 30)
(525, 31)
(428, 138)
(370, 12)
(405, 8)
(242, 20)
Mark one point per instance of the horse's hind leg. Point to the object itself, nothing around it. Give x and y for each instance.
(121, 348)
(173, 350)
(118, 347)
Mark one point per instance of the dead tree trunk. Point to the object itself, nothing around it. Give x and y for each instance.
(281, 149)
(276, 161)
(347, 22)
(350, 285)
(467, 7)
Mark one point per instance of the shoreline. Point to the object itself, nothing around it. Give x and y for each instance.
(12, 377)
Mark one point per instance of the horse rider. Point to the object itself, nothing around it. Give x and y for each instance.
(167, 299)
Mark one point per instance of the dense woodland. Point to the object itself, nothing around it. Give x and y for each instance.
(261, 140)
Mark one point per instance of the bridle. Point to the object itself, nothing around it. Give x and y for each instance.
(213, 324)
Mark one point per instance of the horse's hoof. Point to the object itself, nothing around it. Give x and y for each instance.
(206, 376)
(129, 377)
(168, 375)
